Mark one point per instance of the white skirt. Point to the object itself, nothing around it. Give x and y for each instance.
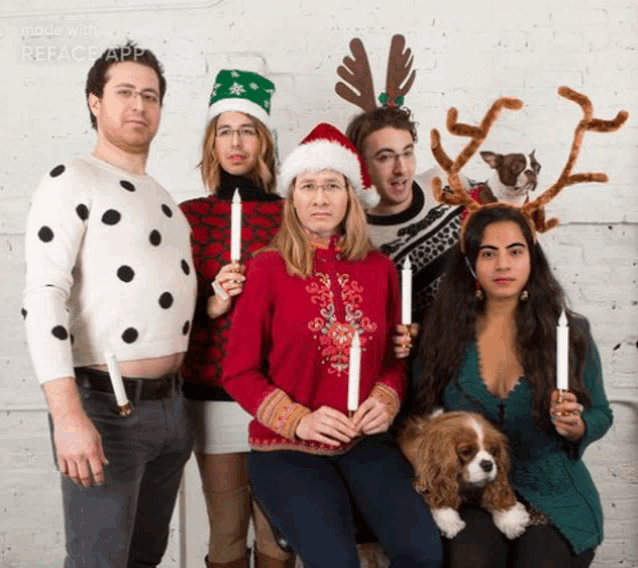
(221, 427)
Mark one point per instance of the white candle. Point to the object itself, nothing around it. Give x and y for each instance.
(235, 227)
(406, 292)
(354, 371)
(562, 353)
(117, 384)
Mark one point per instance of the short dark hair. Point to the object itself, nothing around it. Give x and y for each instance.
(96, 78)
(364, 124)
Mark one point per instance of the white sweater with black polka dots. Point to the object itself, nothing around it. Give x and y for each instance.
(109, 268)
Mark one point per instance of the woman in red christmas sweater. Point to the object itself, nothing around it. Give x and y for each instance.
(287, 364)
(238, 153)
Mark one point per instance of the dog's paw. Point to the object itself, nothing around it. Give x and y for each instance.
(513, 521)
(449, 521)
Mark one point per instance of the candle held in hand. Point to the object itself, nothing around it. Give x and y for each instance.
(235, 227)
(354, 371)
(406, 292)
(562, 352)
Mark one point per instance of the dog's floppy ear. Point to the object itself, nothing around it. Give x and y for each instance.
(499, 493)
(437, 468)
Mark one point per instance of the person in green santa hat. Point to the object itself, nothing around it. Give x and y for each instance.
(238, 153)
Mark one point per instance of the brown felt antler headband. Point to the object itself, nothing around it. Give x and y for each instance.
(533, 210)
(356, 73)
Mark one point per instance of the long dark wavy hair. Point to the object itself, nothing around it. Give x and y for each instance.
(451, 323)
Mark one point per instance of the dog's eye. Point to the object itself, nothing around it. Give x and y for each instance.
(465, 452)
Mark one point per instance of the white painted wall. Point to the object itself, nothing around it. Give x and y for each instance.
(466, 54)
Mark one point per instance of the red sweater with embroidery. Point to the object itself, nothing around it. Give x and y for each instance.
(209, 218)
(289, 344)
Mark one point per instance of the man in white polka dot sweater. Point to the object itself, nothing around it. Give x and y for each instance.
(109, 269)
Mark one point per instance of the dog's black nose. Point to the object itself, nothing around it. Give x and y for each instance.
(486, 465)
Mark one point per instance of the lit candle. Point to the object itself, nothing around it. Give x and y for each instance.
(562, 352)
(118, 385)
(354, 370)
(235, 227)
(406, 292)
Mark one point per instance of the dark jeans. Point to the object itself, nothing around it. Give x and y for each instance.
(125, 521)
(308, 497)
(481, 545)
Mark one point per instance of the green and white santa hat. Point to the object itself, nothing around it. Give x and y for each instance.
(241, 91)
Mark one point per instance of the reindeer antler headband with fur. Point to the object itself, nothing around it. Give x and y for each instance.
(533, 210)
(356, 73)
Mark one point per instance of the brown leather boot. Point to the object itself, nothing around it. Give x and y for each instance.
(263, 561)
(243, 562)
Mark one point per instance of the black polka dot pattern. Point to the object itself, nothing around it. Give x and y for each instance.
(72, 339)
(82, 211)
(125, 273)
(127, 185)
(45, 234)
(166, 300)
(24, 313)
(167, 210)
(58, 170)
(155, 238)
(185, 268)
(186, 327)
(60, 332)
(130, 335)
(111, 217)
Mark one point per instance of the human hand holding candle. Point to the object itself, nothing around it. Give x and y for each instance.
(228, 282)
(235, 227)
(354, 372)
(123, 404)
(402, 339)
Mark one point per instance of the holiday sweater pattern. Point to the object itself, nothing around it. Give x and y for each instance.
(426, 231)
(209, 218)
(288, 352)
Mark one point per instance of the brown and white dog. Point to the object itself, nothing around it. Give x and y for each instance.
(459, 456)
(514, 177)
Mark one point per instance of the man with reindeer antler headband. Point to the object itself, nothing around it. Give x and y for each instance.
(407, 221)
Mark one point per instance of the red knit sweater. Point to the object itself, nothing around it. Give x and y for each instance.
(289, 344)
(209, 218)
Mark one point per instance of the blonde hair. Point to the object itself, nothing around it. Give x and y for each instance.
(292, 242)
(263, 174)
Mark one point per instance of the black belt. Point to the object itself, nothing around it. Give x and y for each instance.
(136, 389)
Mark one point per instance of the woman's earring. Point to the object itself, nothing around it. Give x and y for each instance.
(524, 296)
(478, 292)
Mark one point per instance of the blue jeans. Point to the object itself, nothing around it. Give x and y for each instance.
(309, 499)
(125, 521)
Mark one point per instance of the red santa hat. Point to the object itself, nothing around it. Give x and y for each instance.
(326, 148)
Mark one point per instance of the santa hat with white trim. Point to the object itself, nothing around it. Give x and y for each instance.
(241, 91)
(326, 148)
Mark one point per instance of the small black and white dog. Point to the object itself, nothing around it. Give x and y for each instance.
(514, 176)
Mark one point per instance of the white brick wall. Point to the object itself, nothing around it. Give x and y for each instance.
(466, 54)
